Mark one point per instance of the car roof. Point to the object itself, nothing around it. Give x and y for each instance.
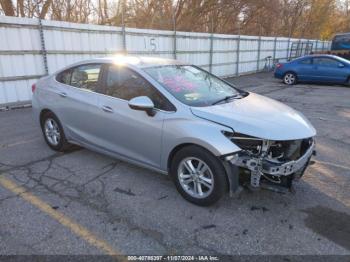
(338, 58)
(342, 34)
(318, 55)
(130, 61)
(137, 61)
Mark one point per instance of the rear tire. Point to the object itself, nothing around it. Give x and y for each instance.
(53, 132)
(290, 78)
(198, 175)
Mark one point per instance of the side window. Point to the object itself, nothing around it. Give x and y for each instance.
(86, 76)
(324, 61)
(125, 84)
(305, 62)
(64, 77)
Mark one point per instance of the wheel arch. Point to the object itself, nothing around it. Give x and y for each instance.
(216, 149)
(43, 112)
(47, 110)
(181, 146)
(291, 71)
(177, 149)
(63, 145)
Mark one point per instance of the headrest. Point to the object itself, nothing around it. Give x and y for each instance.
(80, 76)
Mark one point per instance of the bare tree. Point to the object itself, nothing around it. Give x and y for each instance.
(291, 18)
(7, 7)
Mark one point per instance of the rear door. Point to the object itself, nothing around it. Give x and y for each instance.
(329, 70)
(78, 101)
(127, 132)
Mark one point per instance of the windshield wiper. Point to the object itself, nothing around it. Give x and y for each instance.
(225, 99)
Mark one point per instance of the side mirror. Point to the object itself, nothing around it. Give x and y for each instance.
(340, 65)
(142, 103)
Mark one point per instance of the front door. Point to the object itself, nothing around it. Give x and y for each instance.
(329, 70)
(125, 131)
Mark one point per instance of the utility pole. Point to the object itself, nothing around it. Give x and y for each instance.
(174, 28)
(123, 28)
(211, 46)
(42, 40)
(259, 49)
(238, 49)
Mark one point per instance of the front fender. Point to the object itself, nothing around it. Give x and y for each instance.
(199, 132)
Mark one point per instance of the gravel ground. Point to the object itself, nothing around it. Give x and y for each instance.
(137, 211)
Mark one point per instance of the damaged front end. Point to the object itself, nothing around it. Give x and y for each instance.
(270, 164)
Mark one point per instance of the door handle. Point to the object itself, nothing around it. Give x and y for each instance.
(107, 109)
(63, 94)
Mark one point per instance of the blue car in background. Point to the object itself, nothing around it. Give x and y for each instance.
(341, 42)
(315, 68)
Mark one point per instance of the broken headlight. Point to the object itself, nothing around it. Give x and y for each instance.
(247, 143)
(289, 150)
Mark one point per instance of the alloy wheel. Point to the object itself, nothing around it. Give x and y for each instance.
(289, 79)
(52, 131)
(195, 177)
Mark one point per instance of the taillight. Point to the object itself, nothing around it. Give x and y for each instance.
(278, 65)
(33, 88)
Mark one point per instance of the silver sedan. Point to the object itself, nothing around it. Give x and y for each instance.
(177, 119)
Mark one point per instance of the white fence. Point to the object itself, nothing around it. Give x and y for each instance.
(30, 48)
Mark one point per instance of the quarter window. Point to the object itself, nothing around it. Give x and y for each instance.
(64, 77)
(126, 84)
(86, 76)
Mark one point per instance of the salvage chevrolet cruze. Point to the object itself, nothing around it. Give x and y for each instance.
(177, 119)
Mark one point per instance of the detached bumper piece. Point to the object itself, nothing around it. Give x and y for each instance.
(276, 173)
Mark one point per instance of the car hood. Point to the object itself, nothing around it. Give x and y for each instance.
(259, 116)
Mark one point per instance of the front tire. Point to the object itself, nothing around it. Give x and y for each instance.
(53, 132)
(198, 175)
(290, 78)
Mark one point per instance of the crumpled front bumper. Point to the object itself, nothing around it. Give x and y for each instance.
(287, 168)
(264, 167)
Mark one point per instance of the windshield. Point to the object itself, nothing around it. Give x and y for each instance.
(341, 42)
(192, 85)
(342, 60)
